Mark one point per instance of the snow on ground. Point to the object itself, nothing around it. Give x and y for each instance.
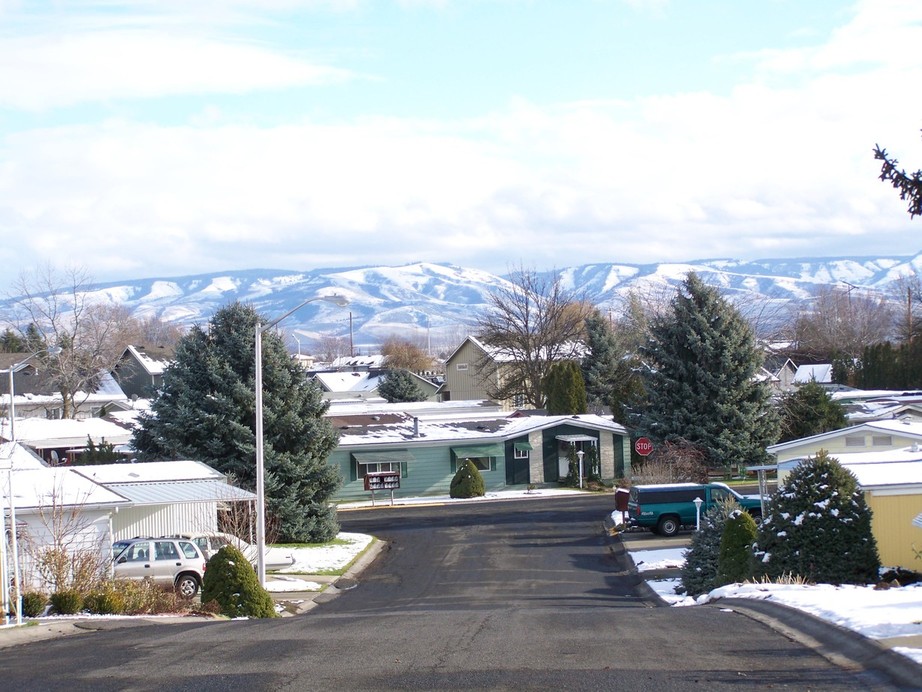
(321, 559)
(874, 613)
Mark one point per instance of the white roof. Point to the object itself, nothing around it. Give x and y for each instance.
(151, 471)
(56, 486)
(359, 362)
(18, 457)
(153, 366)
(43, 433)
(347, 381)
(903, 428)
(813, 373)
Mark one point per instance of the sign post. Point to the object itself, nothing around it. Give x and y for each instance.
(643, 446)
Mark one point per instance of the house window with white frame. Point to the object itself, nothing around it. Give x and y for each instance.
(518, 401)
(480, 463)
(519, 453)
(365, 468)
(460, 367)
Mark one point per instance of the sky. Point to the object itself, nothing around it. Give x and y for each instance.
(156, 138)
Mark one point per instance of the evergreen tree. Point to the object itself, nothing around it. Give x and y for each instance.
(700, 572)
(565, 390)
(701, 360)
(206, 411)
(609, 371)
(818, 527)
(809, 410)
(400, 386)
(231, 582)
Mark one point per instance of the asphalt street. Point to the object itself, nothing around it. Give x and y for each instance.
(502, 595)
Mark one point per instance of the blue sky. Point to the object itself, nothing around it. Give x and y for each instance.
(165, 138)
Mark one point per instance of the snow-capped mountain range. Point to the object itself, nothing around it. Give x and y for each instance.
(440, 302)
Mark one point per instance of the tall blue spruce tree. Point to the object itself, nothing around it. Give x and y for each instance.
(701, 359)
(206, 411)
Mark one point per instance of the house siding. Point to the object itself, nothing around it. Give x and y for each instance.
(471, 383)
(162, 520)
(891, 524)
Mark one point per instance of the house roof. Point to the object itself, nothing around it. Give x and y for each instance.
(41, 433)
(881, 469)
(821, 374)
(910, 429)
(348, 381)
(163, 482)
(154, 359)
(47, 487)
(436, 431)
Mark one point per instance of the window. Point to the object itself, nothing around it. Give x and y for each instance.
(461, 366)
(365, 469)
(854, 441)
(881, 441)
(520, 453)
(518, 401)
(188, 550)
(481, 463)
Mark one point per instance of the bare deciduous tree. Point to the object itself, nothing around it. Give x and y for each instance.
(329, 348)
(404, 354)
(532, 322)
(86, 337)
(841, 321)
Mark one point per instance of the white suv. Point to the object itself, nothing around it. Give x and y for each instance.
(165, 560)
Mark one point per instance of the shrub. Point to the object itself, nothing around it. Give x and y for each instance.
(67, 602)
(818, 527)
(105, 601)
(231, 582)
(735, 561)
(33, 603)
(467, 481)
(144, 597)
(700, 571)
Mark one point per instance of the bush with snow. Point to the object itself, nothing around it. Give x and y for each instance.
(467, 481)
(700, 572)
(231, 582)
(818, 526)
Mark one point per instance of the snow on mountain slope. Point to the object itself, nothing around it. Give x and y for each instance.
(443, 301)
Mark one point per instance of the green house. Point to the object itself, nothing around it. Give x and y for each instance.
(510, 449)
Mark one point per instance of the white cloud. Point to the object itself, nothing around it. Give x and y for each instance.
(46, 72)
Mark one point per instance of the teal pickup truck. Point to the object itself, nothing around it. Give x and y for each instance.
(667, 508)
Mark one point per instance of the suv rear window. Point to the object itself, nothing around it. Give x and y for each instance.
(188, 550)
(673, 495)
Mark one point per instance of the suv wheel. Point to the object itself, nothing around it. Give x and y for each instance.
(187, 585)
(668, 526)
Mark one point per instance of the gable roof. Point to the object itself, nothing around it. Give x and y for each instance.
(154, 359)
(821, 374)
(912, 430)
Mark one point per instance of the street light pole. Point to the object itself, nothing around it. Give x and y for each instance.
(341, 301)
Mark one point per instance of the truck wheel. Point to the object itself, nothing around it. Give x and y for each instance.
(187, 586)
(668, 526)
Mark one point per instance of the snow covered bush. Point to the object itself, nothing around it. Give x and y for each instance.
(700, 572)
(818, 526)
(735, 561)
(467, 481)
(231, 582)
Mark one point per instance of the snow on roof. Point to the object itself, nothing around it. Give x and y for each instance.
(176, 492)
(359, 362)
(891, 467)
(421, 409)
(42, 433)
(47, 487)
(13, 454)
(902, 427)
(154, 360)
(814, 373)
(441, 431)
(152, 471)
(347, 381)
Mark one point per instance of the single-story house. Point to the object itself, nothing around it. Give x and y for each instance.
(426, 443)
(139, 370)
(879, 435)
(892, 485)
(166, 497)
(59, 441)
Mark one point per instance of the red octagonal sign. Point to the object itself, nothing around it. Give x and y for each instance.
(643, 446)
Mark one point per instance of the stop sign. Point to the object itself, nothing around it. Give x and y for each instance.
(643, 446)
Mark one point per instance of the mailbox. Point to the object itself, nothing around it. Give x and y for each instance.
(382, 480)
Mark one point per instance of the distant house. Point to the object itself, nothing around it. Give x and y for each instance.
(821, 374)
(864, 406)
(61, 441)
(37, 397)
(473, 371)
(425, 444)
(363, 384)
(140, 369)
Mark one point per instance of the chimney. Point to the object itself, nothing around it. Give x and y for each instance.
(415, 426)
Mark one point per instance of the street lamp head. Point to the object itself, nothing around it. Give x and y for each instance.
(336, 299)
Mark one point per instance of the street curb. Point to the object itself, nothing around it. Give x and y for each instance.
(838, 645)
(842, 647)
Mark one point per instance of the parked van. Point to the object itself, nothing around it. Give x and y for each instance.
(667, 508)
